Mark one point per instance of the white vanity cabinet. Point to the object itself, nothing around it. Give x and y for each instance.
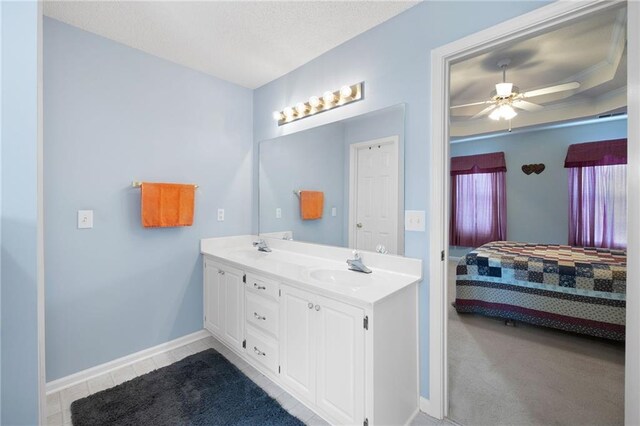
(345, 344)
(322, 353)
(224, 302)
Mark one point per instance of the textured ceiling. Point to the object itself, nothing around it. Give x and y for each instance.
(249, 43)
(591, 51)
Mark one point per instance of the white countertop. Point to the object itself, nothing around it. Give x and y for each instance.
(322, 269)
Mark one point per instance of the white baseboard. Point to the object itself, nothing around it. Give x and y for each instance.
(425, 407)
(89, 373)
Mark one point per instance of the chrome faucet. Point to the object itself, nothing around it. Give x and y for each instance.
(356, 264)
(262, 245)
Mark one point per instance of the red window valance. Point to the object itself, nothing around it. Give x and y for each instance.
(604, 153)
(481, 163)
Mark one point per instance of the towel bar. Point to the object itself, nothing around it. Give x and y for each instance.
(136, 184)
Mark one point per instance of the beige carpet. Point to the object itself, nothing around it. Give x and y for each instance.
(527, 375)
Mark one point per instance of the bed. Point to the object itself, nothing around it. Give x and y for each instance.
(576, 289)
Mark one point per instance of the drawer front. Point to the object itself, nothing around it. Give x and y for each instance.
(261, 312)
(263, 286)
(262, 349)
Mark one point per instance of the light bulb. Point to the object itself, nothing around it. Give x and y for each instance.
(314, 101)
(503, 90)
(346, 92)
(495, 114)
(301, 108)
(288, 112)
(277, 115)
(508, 112)
(328, 97)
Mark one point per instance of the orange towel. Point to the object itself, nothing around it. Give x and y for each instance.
(166, 204)
(311, 204)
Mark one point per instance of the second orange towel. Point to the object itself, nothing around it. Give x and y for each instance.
(311, 204)
(166, 204)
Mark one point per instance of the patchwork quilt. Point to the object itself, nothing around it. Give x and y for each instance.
(577, 289)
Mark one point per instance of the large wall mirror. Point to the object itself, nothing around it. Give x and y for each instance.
(358, 166)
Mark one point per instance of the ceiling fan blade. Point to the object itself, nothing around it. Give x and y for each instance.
(483, 112)
(552, 89)
(471, 104)
(527, 106)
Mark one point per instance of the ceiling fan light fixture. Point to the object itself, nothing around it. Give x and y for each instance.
(503, 90)
(504, 111)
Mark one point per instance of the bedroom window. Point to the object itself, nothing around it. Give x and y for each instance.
(598, 194)
(478, 199)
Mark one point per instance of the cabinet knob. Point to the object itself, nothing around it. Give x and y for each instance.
(220, 271)
(258, 316)
(258, 351)
(317, 307)
(359, 225)
(310, 305)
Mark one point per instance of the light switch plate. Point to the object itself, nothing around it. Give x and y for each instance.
(278, 213)
(85, 219)
(220, 215)
(414, 220)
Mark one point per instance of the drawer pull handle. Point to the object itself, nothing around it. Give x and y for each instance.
(317, 307)
(259, 287)
(258, 351)
(260, 317)
(310, 305)
(220, 271)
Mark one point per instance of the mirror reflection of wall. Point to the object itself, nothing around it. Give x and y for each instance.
(357, 164)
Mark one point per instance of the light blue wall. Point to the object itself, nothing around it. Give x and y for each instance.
(393, 59)
(19, 334)
(310, 160)
(537, 205)
(113, 115)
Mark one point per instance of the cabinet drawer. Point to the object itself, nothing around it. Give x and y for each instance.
(263, 349)
(263, 286)
(262, 313)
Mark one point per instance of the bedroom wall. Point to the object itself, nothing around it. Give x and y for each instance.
(113, 115)
(537, 205)
(394, 60)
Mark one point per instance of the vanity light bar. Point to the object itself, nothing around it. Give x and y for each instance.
(317, 104)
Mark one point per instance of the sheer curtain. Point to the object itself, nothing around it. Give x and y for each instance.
(598, 206)
(478, 200)
(479, 212)
(598, 194)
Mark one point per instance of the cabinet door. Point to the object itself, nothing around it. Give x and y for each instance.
(233, 323)
(340, 360)
(297, 342)
(213, 297)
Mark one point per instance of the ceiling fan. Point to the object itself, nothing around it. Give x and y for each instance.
(507, 96)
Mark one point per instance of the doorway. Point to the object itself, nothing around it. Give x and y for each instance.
(530, 24)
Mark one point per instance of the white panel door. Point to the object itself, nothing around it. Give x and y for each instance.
(376, 191)
(340, 360)
(213, 297)
(297, 342)
(233, 307)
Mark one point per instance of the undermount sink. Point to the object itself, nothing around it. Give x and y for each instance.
(340, 276)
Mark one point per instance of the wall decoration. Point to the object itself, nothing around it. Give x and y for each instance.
(533, 168)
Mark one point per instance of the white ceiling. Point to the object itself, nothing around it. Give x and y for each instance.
(249, 43)
(591, 52)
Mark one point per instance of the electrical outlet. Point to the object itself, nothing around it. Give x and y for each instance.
(85, 219)
(414, 220)
(220, 215)
(334, 211)
(278, 213)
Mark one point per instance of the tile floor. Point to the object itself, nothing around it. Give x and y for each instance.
(59, 414)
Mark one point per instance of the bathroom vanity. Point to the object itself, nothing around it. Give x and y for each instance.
(344, 343)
